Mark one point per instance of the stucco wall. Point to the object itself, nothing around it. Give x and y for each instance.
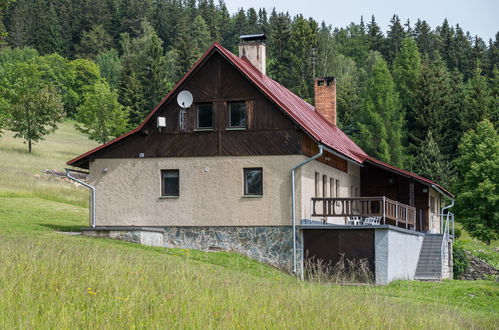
(307, 175)
(396, 255)
(211, 191)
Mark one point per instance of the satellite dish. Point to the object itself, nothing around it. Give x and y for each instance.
(184, 99)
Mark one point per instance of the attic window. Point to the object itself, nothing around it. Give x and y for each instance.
(204, 116)
(237, 115)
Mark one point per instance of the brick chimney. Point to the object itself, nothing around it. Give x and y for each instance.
(325, 98)
(253, 48)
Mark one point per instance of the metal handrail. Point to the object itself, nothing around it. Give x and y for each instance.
(445, 239)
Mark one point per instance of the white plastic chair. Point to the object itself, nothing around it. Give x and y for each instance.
(369, 221)
(354, 221)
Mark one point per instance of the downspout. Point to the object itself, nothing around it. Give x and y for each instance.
(447, 207)
(92, 189)
(293, 199)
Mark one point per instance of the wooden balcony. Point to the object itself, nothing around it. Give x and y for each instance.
(390, 211)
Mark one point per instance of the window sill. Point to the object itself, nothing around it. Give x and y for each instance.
(235, 129)
(251, 196)
(168, 197)
(203, 130)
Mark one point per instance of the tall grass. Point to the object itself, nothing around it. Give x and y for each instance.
(22, 173)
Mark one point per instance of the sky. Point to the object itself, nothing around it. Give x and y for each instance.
(480, 17)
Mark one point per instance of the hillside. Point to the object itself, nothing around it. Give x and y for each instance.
(52, 280)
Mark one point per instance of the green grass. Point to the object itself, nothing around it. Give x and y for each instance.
(489, 253)
(52, 280)
(22, 173)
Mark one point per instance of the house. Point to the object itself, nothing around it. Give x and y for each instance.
(251, 167)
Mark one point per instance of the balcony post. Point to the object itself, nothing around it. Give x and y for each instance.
(384, 211)
(396, 213)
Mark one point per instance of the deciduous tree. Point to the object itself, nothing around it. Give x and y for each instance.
(100, 115)
(477, 185)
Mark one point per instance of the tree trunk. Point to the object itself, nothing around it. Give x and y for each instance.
(29, 146)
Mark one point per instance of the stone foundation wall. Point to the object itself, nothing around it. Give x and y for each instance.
(270, 244)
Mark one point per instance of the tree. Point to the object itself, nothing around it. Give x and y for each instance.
(394, 38)
(93, 42)
(375, 36)
(406, 72)
(477, 187)
(431, 163)
(380, 122)
(34, 107)
(101, 116)
(479, 102)
(432, 102)
(425, 38)
(110, 67)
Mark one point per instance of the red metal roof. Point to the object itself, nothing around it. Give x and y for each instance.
(301, 112)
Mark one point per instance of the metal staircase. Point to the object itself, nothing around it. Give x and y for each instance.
(430, 258)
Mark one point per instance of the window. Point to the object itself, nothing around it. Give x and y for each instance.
(433, 204)
(169, 183)
(317, 179)
(253, 181)
(205, 116)
(337, 188)
(331, 188)
(237, 115)
(324, 186)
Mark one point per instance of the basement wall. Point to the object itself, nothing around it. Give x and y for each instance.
(396, 254)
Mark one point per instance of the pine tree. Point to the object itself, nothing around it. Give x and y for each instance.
(432, 100)
(479, 103)
(303, 42)
(380, 122)
(279, 52)
(477, 186)
(406, 72)
(394, 38)
(375, 36)
(431, 163)
(426, 39)
(93, 42)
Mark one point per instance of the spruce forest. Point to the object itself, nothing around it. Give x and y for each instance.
(423, 98)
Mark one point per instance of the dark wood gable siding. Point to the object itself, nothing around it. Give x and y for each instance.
(270, 131)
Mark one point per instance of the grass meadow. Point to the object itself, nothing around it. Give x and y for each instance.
(53, 280)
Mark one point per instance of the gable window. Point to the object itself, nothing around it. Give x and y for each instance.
(169, 183)
(204, 116)
(253, 181)
(237, 115)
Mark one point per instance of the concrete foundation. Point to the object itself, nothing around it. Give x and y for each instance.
(396, 254)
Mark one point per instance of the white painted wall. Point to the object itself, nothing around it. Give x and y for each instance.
(396, 255)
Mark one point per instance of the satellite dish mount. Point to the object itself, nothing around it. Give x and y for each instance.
(184, 100)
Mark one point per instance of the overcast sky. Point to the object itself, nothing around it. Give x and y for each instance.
(480, 17)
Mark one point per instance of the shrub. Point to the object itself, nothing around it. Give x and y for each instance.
(461, 263)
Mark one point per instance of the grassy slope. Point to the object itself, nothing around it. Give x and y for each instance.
(52, 280)
(489, 253)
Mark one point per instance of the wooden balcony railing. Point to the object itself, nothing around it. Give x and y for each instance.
(365, 207)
